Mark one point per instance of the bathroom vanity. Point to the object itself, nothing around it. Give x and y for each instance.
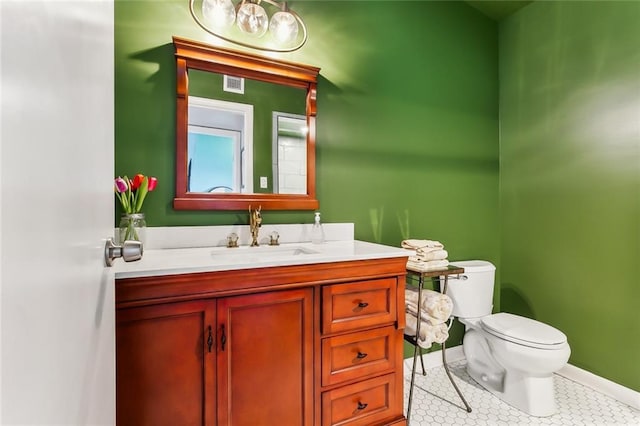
(298, 334)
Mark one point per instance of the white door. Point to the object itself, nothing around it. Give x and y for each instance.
(57, 203)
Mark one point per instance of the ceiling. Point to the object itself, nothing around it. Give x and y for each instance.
(498, 9)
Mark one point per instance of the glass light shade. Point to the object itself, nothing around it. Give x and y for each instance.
(218, 13)
(284, 27)
(252, 19)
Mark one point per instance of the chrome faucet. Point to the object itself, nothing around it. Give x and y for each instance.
(255, 220)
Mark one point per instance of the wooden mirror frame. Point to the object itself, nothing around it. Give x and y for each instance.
(192, 54)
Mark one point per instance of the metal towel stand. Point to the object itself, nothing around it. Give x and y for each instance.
(451, 270)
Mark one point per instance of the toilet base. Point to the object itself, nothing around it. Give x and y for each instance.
(532, 395)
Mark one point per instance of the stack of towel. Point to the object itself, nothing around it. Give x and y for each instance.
(435, 311)
(430, 255)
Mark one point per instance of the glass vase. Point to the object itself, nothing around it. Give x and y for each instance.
(133, 227)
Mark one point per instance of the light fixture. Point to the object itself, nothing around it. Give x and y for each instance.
(219, 13)
(287, 31)
(252, 19)
(284, 26)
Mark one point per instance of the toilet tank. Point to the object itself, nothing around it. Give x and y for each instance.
(472, 291)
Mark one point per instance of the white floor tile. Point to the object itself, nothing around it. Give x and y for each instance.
(435, 402)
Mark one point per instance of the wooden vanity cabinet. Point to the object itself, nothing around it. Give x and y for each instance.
(305, 345)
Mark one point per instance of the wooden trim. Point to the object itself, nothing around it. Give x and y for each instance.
(171, 288)
(192, 54)
(197, 201)
(247, 64)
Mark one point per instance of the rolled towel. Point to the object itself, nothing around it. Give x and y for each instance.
(411, 327)
(436, 307)
(429, 333)
(412, 309)
(412, 295)
(423, 315)
(438, 333)
(431, 265)
(437, 254)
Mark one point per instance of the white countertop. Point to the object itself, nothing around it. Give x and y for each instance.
(170, 261)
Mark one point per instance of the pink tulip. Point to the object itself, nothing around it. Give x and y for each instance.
(153, 182)
(120, 185)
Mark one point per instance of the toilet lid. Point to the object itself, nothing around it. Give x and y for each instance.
(524, 331)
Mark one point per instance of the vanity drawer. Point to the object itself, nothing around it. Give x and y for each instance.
(356, 355)
(347, 307)
(364, 403)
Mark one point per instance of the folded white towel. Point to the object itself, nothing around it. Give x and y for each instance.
(437, 254)
(429, 333)
(421, 244)
(436, 307)
(431, 265)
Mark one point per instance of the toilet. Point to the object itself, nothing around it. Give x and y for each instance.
(511, 356)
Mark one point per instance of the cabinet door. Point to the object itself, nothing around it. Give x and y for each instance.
(165, 365)
(265, 366)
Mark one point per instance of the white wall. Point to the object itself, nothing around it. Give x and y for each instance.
(56, 209)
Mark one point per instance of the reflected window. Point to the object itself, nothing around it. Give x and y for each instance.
(290, 153)
(219, 146)
(214, 156)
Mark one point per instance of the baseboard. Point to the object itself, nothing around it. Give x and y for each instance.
(602, 385)
(576, 374)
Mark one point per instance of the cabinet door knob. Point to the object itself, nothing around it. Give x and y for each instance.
(362, 406)
(361, 355)
(210, 339)
(223, 337)
(363, 305)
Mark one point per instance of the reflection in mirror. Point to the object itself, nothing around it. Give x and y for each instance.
(227, 95)
(219, 146)
(289, 153)
(227, 157)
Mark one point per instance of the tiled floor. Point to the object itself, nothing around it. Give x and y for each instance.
(435, 402)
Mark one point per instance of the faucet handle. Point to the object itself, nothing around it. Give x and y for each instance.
(273, 239)
(232, 240)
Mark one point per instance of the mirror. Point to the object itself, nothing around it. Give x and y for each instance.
(235, 150)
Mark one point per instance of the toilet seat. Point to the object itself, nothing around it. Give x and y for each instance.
(523, 331)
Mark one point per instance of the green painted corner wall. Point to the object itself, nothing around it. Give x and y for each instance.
(570, 177)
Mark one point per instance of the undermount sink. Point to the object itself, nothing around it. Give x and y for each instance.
(256, 254)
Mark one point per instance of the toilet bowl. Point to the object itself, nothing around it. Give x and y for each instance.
(511, 356)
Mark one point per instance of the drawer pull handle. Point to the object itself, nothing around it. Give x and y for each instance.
(361, 355)
(362, 406)
(362, 305)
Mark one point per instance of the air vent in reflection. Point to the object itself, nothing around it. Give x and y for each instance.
(233, 84)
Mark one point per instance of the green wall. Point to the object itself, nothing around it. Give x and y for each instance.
(407, 140)
(570, 177)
